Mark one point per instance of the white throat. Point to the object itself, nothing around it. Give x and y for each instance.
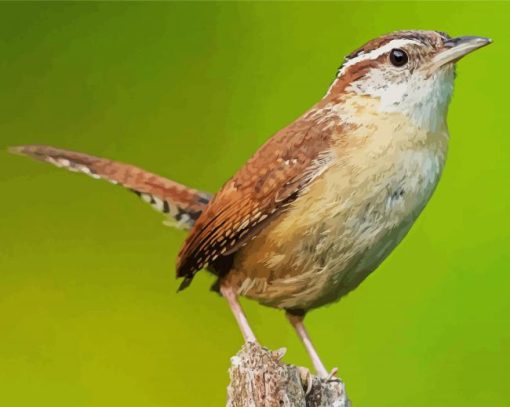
(423, 99)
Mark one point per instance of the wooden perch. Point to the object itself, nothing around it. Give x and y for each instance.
(259, 379)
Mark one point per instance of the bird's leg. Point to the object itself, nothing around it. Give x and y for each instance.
(297, 323)
(236, 309)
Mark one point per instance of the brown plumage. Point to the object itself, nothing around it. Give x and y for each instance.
(431, 38)
(324, 201)
(183, 205)
(261, 190)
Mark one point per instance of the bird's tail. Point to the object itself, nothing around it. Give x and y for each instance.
(183, 205)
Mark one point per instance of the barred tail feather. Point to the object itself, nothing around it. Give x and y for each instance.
(182, 205)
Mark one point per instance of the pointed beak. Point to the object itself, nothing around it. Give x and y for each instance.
(455, 48)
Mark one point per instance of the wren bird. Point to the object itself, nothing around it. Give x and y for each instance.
(325, 200)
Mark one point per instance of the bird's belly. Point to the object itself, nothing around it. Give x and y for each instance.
(335, 235)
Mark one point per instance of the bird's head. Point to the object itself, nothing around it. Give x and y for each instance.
(409, 72)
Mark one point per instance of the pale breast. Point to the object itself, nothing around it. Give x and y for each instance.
(346, 223)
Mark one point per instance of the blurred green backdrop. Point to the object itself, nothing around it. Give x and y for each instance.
(88, 310)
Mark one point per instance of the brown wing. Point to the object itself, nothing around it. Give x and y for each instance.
(183, 205)
(263, 188)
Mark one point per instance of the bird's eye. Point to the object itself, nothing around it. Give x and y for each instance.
(398, 57)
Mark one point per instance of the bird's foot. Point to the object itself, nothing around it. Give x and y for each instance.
(279, 353)
(332, 376)
(306, 379)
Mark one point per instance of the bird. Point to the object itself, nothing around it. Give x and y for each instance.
(325, 200)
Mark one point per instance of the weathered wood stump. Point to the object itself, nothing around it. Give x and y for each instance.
(258, 378)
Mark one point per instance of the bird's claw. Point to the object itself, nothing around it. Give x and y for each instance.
(306, 379)
(279, 353)
(332, 376)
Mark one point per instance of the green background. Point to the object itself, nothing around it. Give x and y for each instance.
(88, 310)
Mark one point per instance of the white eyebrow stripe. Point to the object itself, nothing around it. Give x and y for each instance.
(376, 53)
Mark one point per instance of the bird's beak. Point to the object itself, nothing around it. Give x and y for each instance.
(455, 48)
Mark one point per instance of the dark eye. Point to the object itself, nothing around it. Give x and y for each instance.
(398, 57)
